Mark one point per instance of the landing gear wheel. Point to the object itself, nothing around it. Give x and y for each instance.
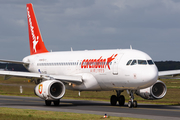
(48, 102)
(56, 103)
(130, 104)
(121, 100)
(134, 103)
(113, 100)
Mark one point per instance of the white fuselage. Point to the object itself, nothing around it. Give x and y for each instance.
(100, 69)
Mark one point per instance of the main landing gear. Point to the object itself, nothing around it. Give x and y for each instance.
(132, 102)
(48, 102)
(120, 98)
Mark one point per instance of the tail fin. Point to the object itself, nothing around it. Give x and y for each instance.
(35, 40)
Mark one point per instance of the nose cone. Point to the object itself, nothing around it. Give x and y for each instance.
(150, 75)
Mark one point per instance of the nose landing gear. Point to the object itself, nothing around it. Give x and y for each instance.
(132, 102)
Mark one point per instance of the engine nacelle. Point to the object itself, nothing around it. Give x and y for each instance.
(50, 90)
(156, 91)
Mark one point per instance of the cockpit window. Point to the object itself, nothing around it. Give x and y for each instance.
(150, 62)
(128, 63)
(134, 62)
(142, 62)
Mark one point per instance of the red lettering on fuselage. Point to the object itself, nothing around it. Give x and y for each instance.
(98, 63)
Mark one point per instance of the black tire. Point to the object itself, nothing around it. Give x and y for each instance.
(130, 104)
(121, 100)
(113, 100)
(56, 103)
(134, 103)
(48, 102)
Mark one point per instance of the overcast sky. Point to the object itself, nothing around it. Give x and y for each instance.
(152, 26)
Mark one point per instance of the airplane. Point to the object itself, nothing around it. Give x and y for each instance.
(90, 70)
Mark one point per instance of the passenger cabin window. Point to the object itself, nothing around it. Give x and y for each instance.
(142, 62)
(134, 62)
(150, 62)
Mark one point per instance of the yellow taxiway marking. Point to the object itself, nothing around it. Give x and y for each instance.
(29, 100)
(20, 100)
(11, 99)
(160, 109)
(148, 108)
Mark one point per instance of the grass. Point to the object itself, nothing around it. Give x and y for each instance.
(26, 114)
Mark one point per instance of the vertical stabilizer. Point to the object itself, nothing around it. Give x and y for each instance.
(35, 39)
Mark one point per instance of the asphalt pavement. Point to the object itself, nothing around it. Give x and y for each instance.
(147, 111)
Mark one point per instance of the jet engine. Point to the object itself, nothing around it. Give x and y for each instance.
(50, 90)
(156, 91)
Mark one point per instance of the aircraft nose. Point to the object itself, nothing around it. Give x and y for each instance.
(150, 76)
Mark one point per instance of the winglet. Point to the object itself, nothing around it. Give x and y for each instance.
(35, 38)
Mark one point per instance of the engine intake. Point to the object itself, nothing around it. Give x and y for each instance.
(50, 90)
(156, 91)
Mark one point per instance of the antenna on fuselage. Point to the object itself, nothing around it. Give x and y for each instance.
(130, 47)
(71, 49)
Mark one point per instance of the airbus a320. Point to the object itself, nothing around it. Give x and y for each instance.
(90, 70)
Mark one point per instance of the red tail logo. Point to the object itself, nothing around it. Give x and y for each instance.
(35, 39)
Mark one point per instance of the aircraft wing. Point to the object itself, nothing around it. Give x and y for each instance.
(169, 72)
(68, 78)
(63, 78)
(13, 61)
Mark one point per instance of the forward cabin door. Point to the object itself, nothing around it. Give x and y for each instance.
(115, 64)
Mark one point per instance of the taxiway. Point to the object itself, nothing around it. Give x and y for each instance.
(147, 111)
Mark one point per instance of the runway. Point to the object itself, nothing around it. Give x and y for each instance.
(147, 111)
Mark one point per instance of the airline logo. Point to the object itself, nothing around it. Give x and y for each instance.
(35, 39)
(98, 63)
(40, 88)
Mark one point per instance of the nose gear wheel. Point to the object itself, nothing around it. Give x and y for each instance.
(132, 102)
